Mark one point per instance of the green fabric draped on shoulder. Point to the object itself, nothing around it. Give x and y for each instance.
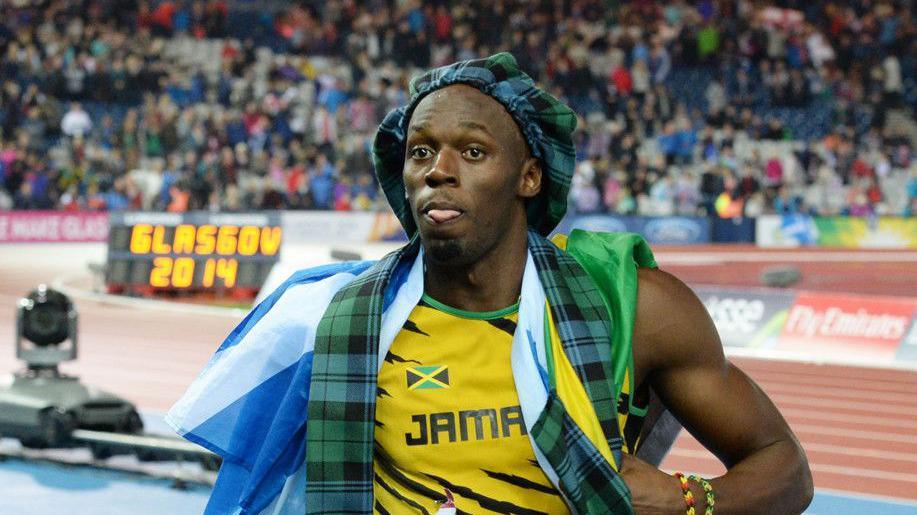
(611, 259)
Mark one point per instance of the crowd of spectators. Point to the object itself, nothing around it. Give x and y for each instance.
(685, 107)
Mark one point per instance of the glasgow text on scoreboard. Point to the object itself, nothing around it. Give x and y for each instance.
(193, 251)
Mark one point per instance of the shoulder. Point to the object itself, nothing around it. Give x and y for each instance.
(659, 292)
(672, 326)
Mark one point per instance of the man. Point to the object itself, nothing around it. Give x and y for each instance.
(480, 368)
(76, 122)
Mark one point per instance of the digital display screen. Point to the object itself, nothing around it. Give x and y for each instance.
(192, 252)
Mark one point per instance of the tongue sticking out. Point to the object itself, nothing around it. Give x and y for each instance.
(443, 215)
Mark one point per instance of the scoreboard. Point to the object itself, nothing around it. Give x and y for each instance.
(194, 252)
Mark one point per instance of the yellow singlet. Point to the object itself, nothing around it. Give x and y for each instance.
(448, 417)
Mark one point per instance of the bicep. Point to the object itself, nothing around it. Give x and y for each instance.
(720, 405)
(725, 410)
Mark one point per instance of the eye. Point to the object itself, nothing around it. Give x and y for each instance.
(420, 153)
(474, 153)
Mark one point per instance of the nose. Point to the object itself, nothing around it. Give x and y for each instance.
(443, 170)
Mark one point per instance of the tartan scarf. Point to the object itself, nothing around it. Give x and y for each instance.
(342, 393)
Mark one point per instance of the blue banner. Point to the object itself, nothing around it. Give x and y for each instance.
(733, 230)
(668, 230)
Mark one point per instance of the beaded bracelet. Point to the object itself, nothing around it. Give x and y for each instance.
(709, 498)
(686, 491)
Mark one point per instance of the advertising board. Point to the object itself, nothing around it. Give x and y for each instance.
(851, 325)
(733, 230)
(746, 318)
(875, 232)
(341, 227)
(669, 230)
(845, 232)
(814, 325)
(52, 227)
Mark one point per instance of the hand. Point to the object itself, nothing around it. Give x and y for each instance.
(652, 490)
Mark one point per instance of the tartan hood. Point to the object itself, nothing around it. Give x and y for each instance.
(545, 122)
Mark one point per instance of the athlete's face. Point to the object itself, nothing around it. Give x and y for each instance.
(467, 173)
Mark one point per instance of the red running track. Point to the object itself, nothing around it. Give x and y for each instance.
(868, 272)
(858, 425)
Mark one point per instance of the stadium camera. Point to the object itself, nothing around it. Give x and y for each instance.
(41, 406)
(45, 320)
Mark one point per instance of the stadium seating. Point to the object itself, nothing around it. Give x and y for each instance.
(248, 105)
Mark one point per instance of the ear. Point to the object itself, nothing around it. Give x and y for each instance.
(530, 179)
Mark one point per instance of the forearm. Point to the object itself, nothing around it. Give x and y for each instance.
(775, 479)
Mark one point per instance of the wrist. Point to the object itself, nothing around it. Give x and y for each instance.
(690, 496)
(677, 498)
(687, 502)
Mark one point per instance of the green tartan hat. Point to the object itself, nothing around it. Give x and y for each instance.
(546, 123)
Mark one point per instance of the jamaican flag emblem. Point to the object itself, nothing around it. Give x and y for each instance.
(428, 377)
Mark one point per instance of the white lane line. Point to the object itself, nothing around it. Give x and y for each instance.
(866, 407)
(820, 358)
(893, 381)
(762, 376)
(899, 399)
(851, 470)
(703, 258)
(853, 419)
(842, 450)
(861, 452)
(854, 433)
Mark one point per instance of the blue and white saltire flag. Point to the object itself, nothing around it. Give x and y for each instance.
(249, 404)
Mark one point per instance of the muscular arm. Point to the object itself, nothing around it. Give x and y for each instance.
(676, 349)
